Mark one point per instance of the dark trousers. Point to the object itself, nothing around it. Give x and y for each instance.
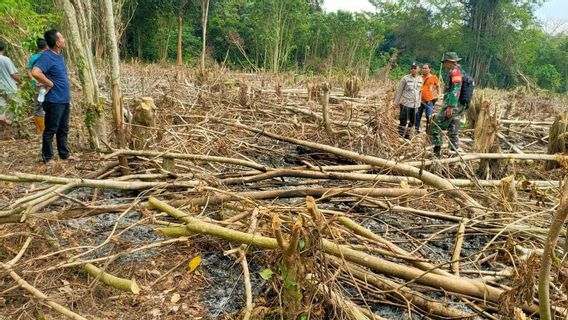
(407, 117)
(56, 123)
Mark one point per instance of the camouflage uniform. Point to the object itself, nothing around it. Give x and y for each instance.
(451, 100)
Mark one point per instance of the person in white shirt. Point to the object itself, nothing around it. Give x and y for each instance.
(9, 81)
(408, 98)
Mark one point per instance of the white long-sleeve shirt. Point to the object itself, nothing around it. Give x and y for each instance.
(409, 91)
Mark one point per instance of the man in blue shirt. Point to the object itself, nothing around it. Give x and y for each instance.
(39, 114)
(50, 70)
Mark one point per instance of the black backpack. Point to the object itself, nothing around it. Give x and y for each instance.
(466, 93)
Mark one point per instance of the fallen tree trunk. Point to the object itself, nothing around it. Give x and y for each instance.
(413, 297)
(427, 177)
(331, 175)
(526, 122)
(186, 156)
(494, 156)
(458, 285)
(296, 193)
(99, 184)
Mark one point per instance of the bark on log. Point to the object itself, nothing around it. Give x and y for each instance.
(100, 184)
(336, 175)
(495, 156)
(108, 279)
(415, 298)
(185, 156)
(297, 193)
(557, 138)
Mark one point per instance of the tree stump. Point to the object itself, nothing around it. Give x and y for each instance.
(243, 94)
(314, 91)
(142, 123)
(278, 90)
(486, 128)
(472, 113)
(352, 87)
(557, 139)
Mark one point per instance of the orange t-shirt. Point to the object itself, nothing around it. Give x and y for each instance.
(430, 85)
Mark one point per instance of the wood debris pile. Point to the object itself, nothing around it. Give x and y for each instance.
(324, 216)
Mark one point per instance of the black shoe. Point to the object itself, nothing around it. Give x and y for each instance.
(437, 152)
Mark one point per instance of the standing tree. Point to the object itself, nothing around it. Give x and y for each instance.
(181, 5)
(78, 22)
(115, 79)
(204, 18)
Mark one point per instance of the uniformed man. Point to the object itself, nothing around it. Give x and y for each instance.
(449, 116)
(407, 98)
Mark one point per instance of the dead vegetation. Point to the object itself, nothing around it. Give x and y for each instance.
(255, 197)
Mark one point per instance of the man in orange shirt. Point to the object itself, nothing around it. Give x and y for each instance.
(430, 90)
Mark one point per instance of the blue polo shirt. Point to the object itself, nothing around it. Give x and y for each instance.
(53, 67)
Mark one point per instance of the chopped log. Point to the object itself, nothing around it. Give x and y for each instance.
(413, 297)
(173, 232)
(298, 193)
(187, 156)
(495, 156)
(526, 122)
(486, 128)
(362, 231)
(99, 184)
(557, 139)
(143, 122)
(108, 279)
(473, 111)
(243, 94)
(338, 175)
(352, 87)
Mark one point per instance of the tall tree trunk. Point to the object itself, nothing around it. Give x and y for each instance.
(115, 79)
(483, 21)
(204, 18)
(181, 4)
(76, 19)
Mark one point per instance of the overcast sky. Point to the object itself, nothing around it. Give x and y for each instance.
(552, 9)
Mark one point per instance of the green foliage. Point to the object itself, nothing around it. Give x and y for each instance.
(501, 40)
(548, 77)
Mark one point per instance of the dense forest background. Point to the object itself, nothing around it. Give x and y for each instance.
(503, 44)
